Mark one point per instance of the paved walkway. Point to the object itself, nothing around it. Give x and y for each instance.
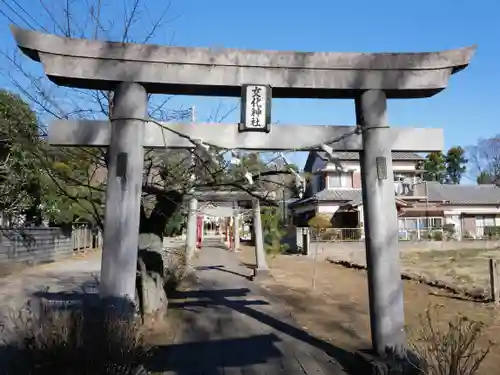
(230, 326)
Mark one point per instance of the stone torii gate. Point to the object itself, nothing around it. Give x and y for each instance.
(132, 71)
(238, 199)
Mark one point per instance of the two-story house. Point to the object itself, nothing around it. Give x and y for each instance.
(335, 191)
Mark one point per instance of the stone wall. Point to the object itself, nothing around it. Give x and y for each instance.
(29, 246)
(351, 251)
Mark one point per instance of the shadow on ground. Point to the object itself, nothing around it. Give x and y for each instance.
(222, 268)
(241, 352)
(215, 354)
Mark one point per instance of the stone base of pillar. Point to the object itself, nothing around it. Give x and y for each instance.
(368, 362)
(260, 274)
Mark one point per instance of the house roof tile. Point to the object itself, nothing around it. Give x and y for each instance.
(345, 195)
(441, 193)
(338, 194)
(396, 155)
(464, 194)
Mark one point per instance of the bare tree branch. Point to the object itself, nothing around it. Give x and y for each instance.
(484, 158)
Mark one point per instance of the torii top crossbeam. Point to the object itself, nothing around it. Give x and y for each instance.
(221, 72)
(230, 195)
(225, 201)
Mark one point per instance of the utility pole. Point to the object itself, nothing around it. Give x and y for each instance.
(427, 207)
(284, 202)
(193, 205)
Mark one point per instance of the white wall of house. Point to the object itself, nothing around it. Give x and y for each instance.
(327, 208)
(354, 166)
(350, 178)
(470, 209)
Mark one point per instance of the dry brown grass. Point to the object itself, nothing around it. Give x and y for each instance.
(463, 268)
(453, 350)
(336, 310)
(71, 340)
(176, 267)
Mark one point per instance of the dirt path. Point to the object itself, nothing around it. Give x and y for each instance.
(76, 274)
(336, 310)
(230, 326)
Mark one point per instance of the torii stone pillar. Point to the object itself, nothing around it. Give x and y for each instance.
(385, 287)
(236, 227)
(123, 194)
(191, 228)
(261, 269)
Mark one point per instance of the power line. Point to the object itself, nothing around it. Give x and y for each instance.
(29, 15)
(6, 16)
(17, 14)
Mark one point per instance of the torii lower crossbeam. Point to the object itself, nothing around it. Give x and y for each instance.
(281, 137)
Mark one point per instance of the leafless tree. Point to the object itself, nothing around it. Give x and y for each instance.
(484, 159)
(79, 175)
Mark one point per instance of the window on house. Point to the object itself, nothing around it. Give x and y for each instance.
(432, 222)
(339, 179)
(412, 223)
(335, 180)
(485, 221)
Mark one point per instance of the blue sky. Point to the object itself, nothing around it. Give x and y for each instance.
(467, 110)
